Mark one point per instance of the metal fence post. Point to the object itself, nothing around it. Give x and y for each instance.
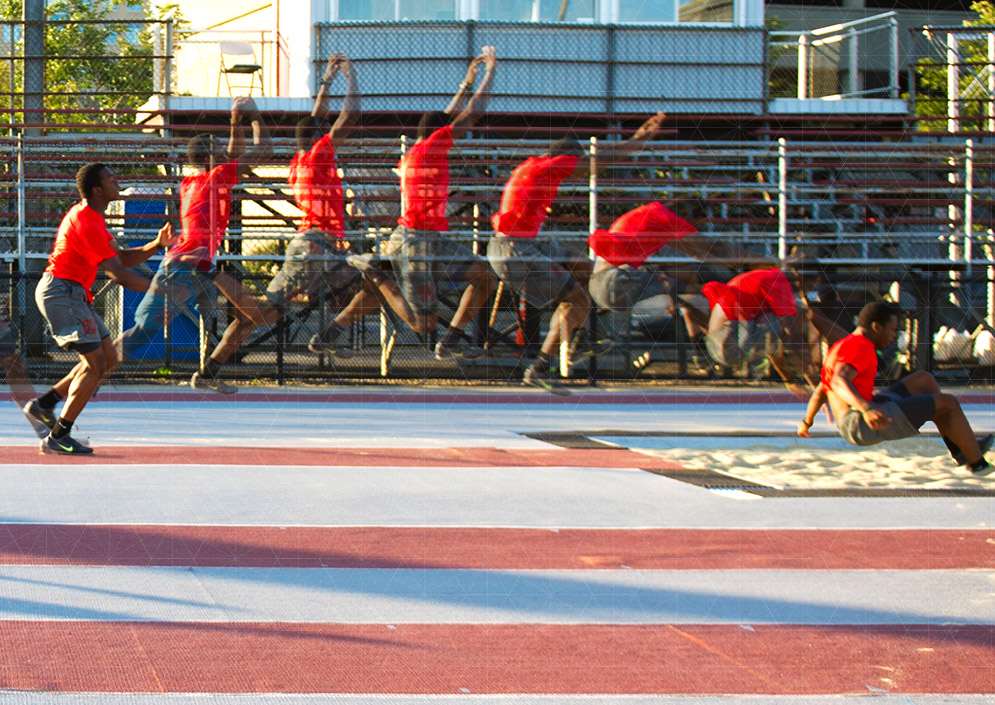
(991, 81)
(782, 198)
(968, 200)
(893, 78)
(802, 66)
(953, 84)
(853, 75)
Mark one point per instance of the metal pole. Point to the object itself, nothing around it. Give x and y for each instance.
(853, 76)
(782, 199)
(21, 230)
(953, 83)
(991, 82)
(802, 66)
(895, 66)
(34, 63)
(592, 191)
(968, 201)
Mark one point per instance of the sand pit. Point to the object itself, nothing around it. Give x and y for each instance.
(819, 463)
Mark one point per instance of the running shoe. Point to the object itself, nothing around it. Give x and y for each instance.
(985, 443)
(319, 347)
(46, 417)
(545, 380)
(457, 349)
(211, 385)
(984, 470)
(597, 347)
(67, 445)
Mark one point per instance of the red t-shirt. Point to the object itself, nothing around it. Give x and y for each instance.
(425, 182)
(636, 235)
(80, 246)
(859, 352)
(317, 188)
(530, 191)
(205, 207)
(751, 294)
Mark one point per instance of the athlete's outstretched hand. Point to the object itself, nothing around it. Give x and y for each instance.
(166, 236)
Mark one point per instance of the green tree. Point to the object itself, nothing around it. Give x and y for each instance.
(96, 72)
(931, 87)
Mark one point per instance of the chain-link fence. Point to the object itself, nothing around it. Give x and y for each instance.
(877, 219)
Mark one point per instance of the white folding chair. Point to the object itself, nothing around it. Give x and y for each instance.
(239, 58)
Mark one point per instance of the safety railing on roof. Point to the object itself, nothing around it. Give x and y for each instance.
(836, 61)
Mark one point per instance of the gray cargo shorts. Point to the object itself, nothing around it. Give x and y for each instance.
(72, 320)
(312, 266)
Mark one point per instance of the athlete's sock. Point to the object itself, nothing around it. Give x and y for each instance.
(211, 369)
(449, 336)
(542, 362)
(49, 399)
(62, 428)
(332, 332)
(955, 451)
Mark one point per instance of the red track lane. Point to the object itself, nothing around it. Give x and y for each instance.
(332, 457)
(149, 657)
(496, 549)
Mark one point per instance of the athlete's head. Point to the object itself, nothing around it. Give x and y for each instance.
(95, 176)
(200, 148)
(309, 131)
(88, 178)
(879, 320)
(567, 146)
(432, 121)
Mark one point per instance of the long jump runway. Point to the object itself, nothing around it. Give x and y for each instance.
(371, 545)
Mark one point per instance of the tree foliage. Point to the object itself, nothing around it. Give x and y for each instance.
(931, 93)
(96, 71)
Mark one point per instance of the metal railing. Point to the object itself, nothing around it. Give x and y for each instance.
(874, 214)
(830, 62)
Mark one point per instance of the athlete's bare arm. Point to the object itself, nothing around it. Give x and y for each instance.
(133, 256)
(614, 152)
(243, 109)
(127, 278)
(477, 104)
(338, 63)
(815, 402)
(843, 396)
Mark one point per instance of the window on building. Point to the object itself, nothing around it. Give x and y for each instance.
(629, 11)
(390, 10)
(537, 10)
(647, 10)
(706, 11)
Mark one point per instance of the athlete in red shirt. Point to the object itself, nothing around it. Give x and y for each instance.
(317, 259)
(419, 253)
(205, 208)
(546, 273)
(82, 247)
(865, 418)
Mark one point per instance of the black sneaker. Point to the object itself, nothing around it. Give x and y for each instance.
(585, 352)
(457, 349)
(318, 347)
(984, 470)
(545, 380)
(985, 443)
(203, 384)
(45, 417)
(67, 445)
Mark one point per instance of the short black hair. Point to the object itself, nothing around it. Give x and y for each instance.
(199, 149)
(88, 178)
(566, 146)
(432, 121)
(876, 312)
(308, 127)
